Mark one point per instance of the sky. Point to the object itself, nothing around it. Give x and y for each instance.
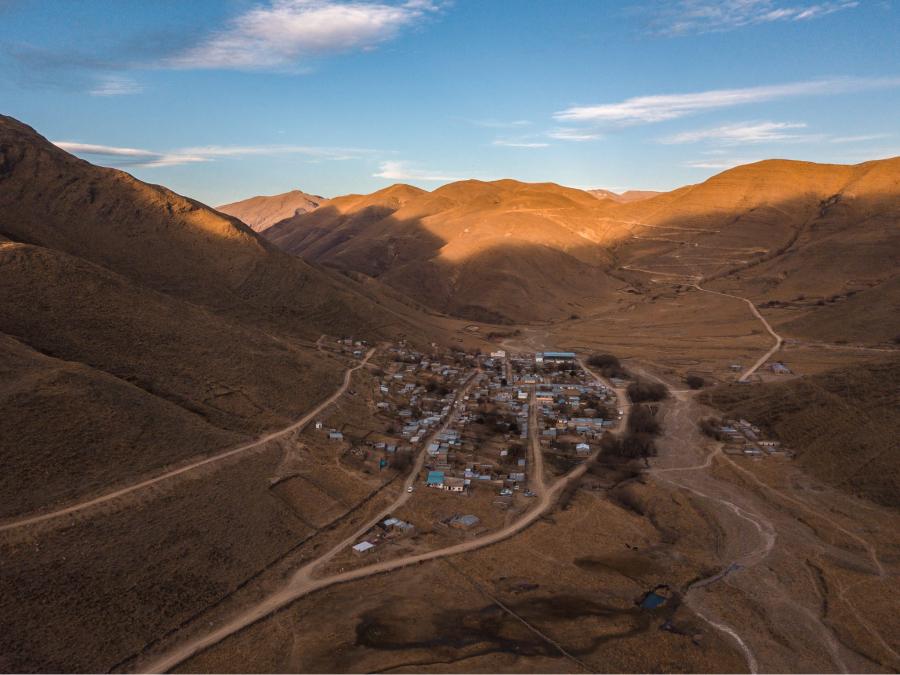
(225, 99)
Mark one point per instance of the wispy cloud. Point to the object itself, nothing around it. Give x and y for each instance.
(137, 157)
(689, 17)
(499, 124)
(506, 143)
(400, 170)
(279, 34)
(740, 133)
(661, 107)
(746, 133)
(577, 135)
(116, 85)
(858, 139)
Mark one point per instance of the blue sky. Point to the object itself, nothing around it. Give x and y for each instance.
(226, 99)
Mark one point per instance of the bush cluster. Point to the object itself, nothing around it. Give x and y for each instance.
(642, 391)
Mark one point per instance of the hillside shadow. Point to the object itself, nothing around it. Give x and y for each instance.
(526, 282)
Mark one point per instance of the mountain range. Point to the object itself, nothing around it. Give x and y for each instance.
(779, 231)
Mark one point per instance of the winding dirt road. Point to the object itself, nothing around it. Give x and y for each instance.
(168, 475)
(778, 339)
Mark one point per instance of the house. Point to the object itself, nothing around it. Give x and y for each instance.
(335, 436)
(517, 477)
(583, 449)
(363, 548)
(435, 479)
(318, 424)
(556, 357)
(454, 484)
(466, 522)
(499, 354)
(398, 527)
(780, 369)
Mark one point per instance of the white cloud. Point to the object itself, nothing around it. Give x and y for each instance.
(711, 16)
(499, 124)
(116, 85)
(277, 35)
(504, 143)
(661, 107)
(578, 135)
(744, 133)
(399, 170)
(858, 139)
(122, 156)
(740, 133)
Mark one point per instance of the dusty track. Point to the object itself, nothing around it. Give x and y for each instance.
(778, 339)
(174, 473)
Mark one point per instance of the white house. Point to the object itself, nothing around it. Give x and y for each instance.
(363, 547)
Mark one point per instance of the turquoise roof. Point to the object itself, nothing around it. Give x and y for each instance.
(435, 478)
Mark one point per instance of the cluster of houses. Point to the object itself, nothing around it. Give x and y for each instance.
(743, 438)
(351, 346)
(413, 392)
(573, 415)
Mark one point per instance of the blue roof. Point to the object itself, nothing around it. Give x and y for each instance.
(435, 478)
(560, 355)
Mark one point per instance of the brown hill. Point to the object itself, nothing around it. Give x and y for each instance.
(121, 296)
(796, 235)
(497, 250)
(261, 212)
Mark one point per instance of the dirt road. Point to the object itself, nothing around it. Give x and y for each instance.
(537, 455)
(778, 339)
(168, 475)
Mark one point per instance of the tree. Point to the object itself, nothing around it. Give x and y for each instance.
(694, 381)
(641, 391)
(643, 421)
(608, 365)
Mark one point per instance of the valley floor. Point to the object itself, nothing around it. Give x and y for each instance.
(763, 568)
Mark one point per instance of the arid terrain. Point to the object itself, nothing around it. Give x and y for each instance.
(492, 427)
(260, 213)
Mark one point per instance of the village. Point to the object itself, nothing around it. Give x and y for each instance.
(470, 423)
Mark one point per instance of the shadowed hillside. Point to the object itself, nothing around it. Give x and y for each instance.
(500, 251)
(122, 297)
(843, 424)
